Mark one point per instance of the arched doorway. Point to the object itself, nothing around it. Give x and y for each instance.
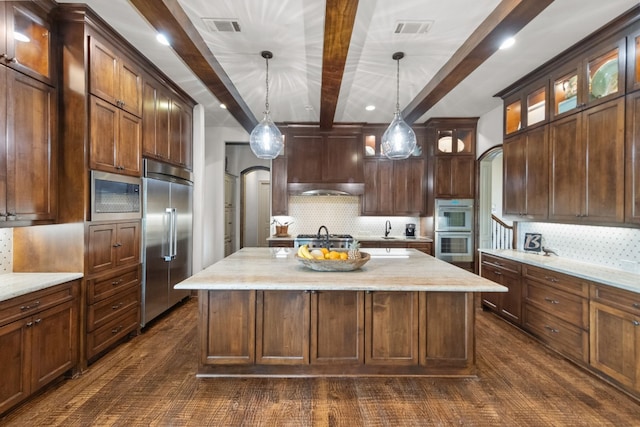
(255, 212)
(490, 194)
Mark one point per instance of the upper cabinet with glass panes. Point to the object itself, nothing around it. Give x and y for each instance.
(527, 107)
(590, 80)
(25, 39)
(372, 136)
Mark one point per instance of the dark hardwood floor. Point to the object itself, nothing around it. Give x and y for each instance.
(150, 381)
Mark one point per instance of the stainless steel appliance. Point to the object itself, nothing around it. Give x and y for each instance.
(454, 230)
(115, 196)
(336, 241)
(167, 236)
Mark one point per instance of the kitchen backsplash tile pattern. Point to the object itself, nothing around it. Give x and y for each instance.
(6, 247)
(608, 246)
(341, 215)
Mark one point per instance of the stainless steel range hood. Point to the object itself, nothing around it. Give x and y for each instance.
(326, 189)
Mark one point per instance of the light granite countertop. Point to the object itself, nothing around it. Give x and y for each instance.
(16, 284)
(597, 273)
(367, 238)
(388, 269)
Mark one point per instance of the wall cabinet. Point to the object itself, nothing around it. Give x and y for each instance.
(378, 187)
(587, 165)
(394, 187)
(114, 77)
(279, 195)
(26, 40)
(526, 174)
(615, 334)
(113, 245)
(453, 141)
(116, 138)
(527, 107)
(28, 170)
(632, 160)
(38, 340)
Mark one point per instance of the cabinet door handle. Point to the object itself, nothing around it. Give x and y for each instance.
(635, 323)
(551, 300)
(38, 321)
(635, 305)
(117, 245)
(551, 329)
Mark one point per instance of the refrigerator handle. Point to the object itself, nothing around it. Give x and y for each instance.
(174, 222)
(169, 230)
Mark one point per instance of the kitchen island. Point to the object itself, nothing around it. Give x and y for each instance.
(261, 313)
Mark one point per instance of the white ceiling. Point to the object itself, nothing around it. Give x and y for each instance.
(293, 31)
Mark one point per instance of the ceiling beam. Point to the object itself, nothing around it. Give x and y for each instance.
(338, 26)
(509, 17)
(168, 17)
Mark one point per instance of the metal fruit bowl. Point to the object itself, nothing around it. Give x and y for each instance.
(335, 264)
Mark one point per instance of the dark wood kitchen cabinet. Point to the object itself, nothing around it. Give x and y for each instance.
(282, 327)
(113, 245)
(378, 187)
(315, 157)
(506, 273)
(632, 159)
(525, 174)
(28, 170)
(391, 328)
(38, 340)
(116, 139)
(114, 77)
(279, 195)
(587, 165)
(615, 334)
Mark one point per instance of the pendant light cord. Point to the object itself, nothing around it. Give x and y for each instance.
(398, 86)
(266, 100)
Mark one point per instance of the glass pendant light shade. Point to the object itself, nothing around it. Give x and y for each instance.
(266, 140)
(399, 140)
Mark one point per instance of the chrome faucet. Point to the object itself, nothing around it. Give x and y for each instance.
(549, 251)
(387, 228)
(326, 239)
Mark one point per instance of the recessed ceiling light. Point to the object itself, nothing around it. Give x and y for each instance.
(224, 107)
(162, 39)
(507, 43)
(370, 107)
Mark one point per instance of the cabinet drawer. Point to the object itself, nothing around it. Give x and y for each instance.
(560, 281)
(502, 263)
(568, 307)
(106, 285)
(26, 305)
(618, 298)
(105, 310)
(562, 336)
(112, 331)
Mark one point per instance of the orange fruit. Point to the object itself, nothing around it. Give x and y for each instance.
(334, 255)
(324, 250)
(344, 255)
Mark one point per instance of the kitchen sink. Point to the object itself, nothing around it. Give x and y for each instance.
(389, 237)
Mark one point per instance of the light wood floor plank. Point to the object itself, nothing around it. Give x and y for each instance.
(150, 381)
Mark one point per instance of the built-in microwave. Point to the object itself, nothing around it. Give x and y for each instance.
(454, 215)
(115, 196)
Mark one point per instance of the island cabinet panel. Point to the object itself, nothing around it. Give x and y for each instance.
(227, 327)
(391, 328)
(447, 341)
(337, 327)
(282, 327)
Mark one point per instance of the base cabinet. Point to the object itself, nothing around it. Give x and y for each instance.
(506, 273)
(38, 341)
(329, 333)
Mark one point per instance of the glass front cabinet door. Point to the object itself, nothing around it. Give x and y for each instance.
(526, 108)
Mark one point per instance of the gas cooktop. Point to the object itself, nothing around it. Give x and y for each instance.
(323, 236)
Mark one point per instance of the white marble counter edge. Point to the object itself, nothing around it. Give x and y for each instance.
(194, 285)
(13, 285)
(609, 276)
(368, 239)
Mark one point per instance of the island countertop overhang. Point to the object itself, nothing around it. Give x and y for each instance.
(388, 270)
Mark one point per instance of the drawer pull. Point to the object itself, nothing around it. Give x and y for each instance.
(29, 307)
(116, 330)
(497, 273)
(551, 279)
(38, 321)
(29, 324)
(635, 323)
(551, 300)
(635, 305)
(116, 282)
(117, 245)
(117, 306)
(551, 329)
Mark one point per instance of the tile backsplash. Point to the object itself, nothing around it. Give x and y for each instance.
(6, 248)
(608, 246)
(341, 215)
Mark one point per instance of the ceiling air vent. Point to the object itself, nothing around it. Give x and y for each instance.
(412, 27)
(221, 25)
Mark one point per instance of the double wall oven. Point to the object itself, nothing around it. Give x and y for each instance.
(454, 230)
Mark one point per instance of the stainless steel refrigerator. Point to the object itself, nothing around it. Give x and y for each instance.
(167, 227)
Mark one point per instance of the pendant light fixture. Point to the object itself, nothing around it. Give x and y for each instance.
(266, 140)
(399, 140)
